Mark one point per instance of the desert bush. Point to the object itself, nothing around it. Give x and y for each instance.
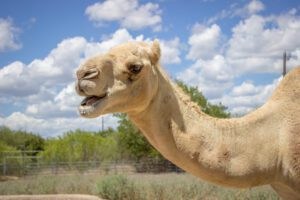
(117, 187)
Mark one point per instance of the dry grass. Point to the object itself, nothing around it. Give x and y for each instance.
(60, 184)
(170, 186)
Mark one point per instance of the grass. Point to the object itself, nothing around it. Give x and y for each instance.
(169, 186)
(70, 184)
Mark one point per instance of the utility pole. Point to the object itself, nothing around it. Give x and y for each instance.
(286, 57)
(284, 64)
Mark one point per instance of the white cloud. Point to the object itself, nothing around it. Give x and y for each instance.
(8, 76)
(212, 77)
(253, 7)
(110, 10)
(246, 88)
(147, 15)
(18, 79)
(8, 35)
(120, 36)
(55, 126)
(247, 96)
(170, 48)
(63, 104)
(204, 42)
(211, 72)
(294, 58)
(235, 10)
(128, 13)
(170, 51)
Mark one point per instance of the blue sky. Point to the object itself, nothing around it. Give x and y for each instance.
(230, 50)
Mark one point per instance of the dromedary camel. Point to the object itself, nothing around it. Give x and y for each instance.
(260, 148)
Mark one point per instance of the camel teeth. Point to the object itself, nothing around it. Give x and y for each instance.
(86, 111)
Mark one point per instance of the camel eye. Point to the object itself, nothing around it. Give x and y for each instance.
(135, 68)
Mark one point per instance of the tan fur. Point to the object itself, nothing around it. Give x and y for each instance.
(262, 147)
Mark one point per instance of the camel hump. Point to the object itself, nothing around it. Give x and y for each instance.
(289, 87)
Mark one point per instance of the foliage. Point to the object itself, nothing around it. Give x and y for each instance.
(5, 148)
(80, 146)
(196, 96)
(116, 187)
(106, 133)
(21, 140)
(12, 143)
(131, 141)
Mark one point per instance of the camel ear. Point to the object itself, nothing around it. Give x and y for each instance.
(155, 54)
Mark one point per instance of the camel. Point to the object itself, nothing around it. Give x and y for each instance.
(260, 148)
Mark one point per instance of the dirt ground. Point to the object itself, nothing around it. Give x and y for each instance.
(50, 197)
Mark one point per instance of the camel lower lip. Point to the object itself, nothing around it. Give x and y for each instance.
(85, 109)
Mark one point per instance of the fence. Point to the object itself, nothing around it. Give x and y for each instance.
(27, 165)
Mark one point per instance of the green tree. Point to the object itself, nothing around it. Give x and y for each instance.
(81, 146)
(6, 148)
(22, 140)
(106, 133)
(219, 110)
(131, 142)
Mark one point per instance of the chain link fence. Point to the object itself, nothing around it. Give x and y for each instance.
(29, 164)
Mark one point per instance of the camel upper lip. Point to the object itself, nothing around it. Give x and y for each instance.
(91, 100)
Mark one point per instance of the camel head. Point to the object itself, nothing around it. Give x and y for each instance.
(122, 80)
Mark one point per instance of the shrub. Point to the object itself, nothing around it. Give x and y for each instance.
(117, 187)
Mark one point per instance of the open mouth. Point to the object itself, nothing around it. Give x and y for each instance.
(91, 100)
(88, 104)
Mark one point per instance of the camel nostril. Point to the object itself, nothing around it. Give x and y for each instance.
(92, 73)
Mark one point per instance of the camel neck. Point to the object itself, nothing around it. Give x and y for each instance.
(223, 151)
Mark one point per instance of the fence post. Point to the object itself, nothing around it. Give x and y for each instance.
(115, 166)
(4, 166)
(52, 168)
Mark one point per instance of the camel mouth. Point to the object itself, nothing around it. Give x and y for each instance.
(91, 100)
(89, 104)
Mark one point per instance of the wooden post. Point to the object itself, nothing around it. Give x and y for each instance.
(102, 118)
(4, 166)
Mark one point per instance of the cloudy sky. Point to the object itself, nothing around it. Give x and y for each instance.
(231, 50)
